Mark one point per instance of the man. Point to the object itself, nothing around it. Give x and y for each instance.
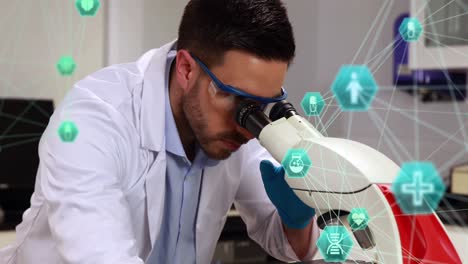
(159, 159)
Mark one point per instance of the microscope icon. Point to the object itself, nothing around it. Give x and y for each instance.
(313, 104)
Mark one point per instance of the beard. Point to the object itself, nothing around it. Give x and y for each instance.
(197, 119)
(199, 124)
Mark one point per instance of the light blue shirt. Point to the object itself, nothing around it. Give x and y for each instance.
(176, 240)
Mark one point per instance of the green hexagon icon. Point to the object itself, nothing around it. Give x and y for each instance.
(335, 244)
(358, 218)
(296, 163)
(354, 88)
(418, 188)
(410, 29)
(66, 66)
(68, 131)
(87, 7)
(312, 104)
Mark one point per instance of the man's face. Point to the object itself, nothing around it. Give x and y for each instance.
(211, 118)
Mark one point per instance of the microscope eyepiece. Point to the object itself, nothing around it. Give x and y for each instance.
(282, 109)
(250, 116)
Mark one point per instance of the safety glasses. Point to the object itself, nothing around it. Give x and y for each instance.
(263, 101)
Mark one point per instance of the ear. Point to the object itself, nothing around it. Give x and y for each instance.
(186, 70)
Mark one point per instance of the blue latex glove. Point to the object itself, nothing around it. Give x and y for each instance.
(293, 212)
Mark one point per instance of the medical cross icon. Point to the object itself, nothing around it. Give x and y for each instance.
(418, 189)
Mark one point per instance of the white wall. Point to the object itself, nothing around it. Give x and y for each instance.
(161, 21)
(125, 30)
(34, 35)
(138, 26)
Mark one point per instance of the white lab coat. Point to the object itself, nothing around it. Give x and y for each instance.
(100, 199)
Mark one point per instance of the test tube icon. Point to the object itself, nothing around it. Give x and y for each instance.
(411, 30)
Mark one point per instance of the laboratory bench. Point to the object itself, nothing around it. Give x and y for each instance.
(234, 237)
(234, 240)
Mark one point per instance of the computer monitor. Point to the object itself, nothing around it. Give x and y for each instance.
(22, 123)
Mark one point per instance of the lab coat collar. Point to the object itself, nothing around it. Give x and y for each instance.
(153, 125)
(173, 141)
(153, 97)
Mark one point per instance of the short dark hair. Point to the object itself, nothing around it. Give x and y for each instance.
(209, 28)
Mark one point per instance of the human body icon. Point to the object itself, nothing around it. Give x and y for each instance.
(354, 88)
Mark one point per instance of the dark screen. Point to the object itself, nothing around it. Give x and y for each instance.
(22, 123)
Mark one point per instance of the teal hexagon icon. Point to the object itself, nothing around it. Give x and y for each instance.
(335, 243)
(68, 131)
(296, 163)
(312, 104)
(358, 218)
(66, 65)
(87, 7)
(354, 88)
(410, 29)
(418, 188)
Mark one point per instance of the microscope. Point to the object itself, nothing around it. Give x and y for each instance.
(343, 175)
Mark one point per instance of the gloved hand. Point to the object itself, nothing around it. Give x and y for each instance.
(293, 212)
